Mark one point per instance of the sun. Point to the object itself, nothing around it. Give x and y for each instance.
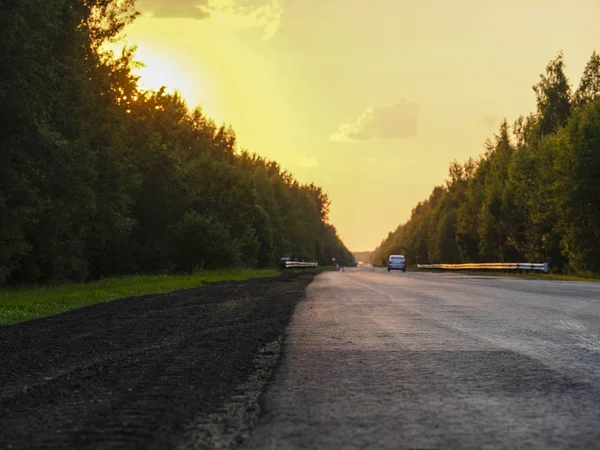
(160, 70)
(176, 69)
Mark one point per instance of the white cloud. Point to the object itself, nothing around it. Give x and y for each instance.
(381, 123)
(175, 9)
(235, 14)
(248, 14)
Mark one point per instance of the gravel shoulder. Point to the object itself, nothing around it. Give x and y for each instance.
(180, 370)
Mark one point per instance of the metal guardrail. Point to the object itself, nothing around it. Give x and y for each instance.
(540, 267)
(294, 264)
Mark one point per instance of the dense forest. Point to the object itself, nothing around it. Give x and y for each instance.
(363, 256)
(98, 177)
(533, 196)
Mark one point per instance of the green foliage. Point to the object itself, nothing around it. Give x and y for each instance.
(579, 188)
(532, 196)
(98, 177)
(589, 85)
(553, 97)
(201, 242)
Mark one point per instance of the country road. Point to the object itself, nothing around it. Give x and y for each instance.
(422, 361)
(370, 360)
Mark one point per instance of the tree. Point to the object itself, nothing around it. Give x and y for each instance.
(553, 94)
(589, 86)
(578, 191)
(531, 196)
(201, 242)
(98, 177)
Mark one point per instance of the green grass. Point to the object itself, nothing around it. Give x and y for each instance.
(30, 302)
(543, 276)
(317, 269)
(531, 275)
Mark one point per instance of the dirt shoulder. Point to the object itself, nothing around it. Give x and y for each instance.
(179, 370)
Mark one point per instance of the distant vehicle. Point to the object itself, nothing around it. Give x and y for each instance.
(396, 262)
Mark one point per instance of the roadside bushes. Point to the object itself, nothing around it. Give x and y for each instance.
(202, 242)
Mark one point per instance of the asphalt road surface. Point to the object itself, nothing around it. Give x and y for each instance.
(423, 361)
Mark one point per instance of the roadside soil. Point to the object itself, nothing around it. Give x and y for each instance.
(181, 370)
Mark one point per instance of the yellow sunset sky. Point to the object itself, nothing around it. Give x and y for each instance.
(370, 100)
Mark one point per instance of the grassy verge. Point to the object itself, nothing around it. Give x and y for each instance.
(317, 269)
(30, 302)
(541, 276)
(531, 275)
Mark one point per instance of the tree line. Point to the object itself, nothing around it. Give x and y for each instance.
(533, 196)
(99, 177)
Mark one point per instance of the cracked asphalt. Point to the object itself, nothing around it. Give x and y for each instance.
(424, 361)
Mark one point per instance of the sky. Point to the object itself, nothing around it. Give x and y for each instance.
(369, 99)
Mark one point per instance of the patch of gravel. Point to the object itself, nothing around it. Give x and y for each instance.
(231, 424)
(184, 370)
